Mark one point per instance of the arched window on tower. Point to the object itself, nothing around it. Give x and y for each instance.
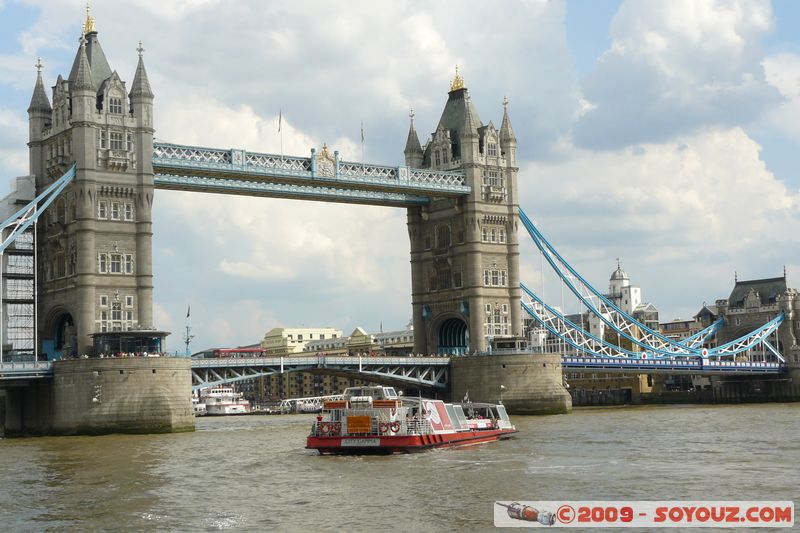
(61, 211)
(114, 104)
(443, 236)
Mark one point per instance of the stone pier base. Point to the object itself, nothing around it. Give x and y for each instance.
(532, 383)
(129, 395)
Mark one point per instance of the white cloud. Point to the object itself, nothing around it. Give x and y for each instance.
(17, 71)
(260, 271)
(161, 316)
(13, 139)
(675, 67)
(783, 72)
(245, 324)
(176, 10)
(692, 210)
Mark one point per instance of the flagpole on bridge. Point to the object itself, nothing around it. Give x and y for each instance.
(280, 131)
(362, 143)
(187, 338)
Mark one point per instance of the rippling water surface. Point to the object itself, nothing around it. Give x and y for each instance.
(252, 472)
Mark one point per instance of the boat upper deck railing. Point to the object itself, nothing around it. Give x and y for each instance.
(380, 425)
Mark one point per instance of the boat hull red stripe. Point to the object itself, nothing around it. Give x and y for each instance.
(404, 443)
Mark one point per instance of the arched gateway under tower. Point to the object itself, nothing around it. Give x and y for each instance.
(464, 251)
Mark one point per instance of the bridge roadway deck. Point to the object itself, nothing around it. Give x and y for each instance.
(426, 372)
(431, 372)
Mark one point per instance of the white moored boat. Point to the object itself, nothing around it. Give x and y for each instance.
(224, 400)
(198, 408)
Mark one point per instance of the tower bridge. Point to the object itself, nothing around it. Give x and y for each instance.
(95, 245)
(87, 282)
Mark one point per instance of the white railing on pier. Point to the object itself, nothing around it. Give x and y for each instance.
(25, 369)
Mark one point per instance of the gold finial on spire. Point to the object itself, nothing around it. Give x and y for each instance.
(505, 102)
(89, 26)
(39, 65)
(140, 49)
(457, 83)
(411, 115)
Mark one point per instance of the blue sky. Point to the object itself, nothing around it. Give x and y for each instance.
(664, 133)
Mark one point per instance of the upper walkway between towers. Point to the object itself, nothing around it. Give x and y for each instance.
(322, 176)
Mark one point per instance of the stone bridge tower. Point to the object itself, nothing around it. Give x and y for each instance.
(465, 252)
(94, 244)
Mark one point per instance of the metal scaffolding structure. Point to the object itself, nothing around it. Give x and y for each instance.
(18, 274)
(18, 269)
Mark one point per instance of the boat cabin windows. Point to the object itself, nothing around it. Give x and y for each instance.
(375, 393)
(451, 411)
(501, 410)
(460, 416)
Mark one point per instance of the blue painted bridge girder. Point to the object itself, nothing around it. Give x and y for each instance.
(423, 372)
(214, 170)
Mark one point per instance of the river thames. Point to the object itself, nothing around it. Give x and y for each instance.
(252, 473)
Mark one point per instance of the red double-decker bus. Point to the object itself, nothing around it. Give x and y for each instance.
(240, 352)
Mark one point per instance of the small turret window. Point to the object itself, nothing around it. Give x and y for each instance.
(115, 105)
(492, 150)
(437, 158)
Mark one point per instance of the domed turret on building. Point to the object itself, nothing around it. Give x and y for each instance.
(628, 298)
(618, 281)
(619, 274)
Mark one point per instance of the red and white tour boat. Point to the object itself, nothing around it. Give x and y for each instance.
(377, 420)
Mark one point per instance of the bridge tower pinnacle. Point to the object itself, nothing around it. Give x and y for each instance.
(94, 244)
(464, 252)
(413, 151)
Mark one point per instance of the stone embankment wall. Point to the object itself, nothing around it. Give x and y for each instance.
(723, 389)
